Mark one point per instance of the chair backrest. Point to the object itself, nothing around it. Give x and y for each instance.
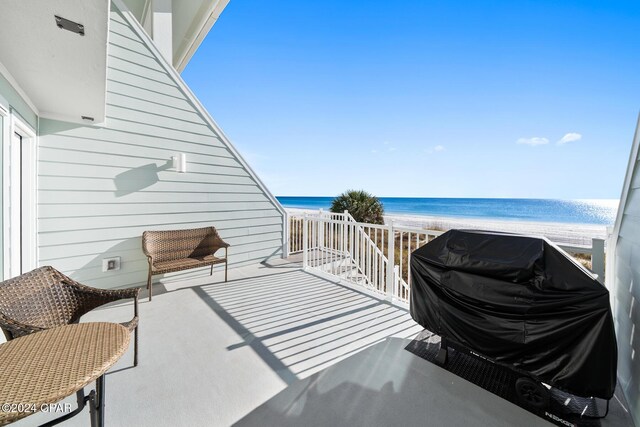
(39, 298)
(172, 245)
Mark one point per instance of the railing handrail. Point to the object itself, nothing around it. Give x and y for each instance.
(579, 249)
(359, 257)
(361, 225)
(405, 229)
(351, 220)
(367, 238)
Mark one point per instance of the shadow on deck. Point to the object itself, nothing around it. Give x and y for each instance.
(277, 346)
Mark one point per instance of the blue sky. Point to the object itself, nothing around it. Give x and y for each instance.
(531, 99)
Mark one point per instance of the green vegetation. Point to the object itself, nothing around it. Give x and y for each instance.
(362, 206)
(584, 259)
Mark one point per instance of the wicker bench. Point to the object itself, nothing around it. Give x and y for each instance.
(177, 250)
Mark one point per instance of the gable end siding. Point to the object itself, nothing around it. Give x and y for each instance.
(100, 187)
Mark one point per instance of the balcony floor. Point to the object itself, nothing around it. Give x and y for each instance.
(276, 346)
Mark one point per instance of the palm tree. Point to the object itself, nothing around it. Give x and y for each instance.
(363, 206)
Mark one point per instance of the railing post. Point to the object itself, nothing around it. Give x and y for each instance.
(396, 280)
(321, 230)
(597, 258)
(391, 262)
(286, 235)
(305, 242)
(344, 233)
(612, 239)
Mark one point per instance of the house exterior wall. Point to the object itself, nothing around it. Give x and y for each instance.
(11, 99)
(101, 186)
(623, 279)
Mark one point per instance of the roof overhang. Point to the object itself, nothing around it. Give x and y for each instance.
(191, 21)
(191, 25)
(62, 73)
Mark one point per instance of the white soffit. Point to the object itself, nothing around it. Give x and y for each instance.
(191, 20)
(137, 8)
(63, 73)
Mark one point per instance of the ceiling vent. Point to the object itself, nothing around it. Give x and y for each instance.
(65, 24)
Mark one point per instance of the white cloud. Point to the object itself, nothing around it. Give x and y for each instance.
(536, 140)
(570, 137)
(436, 149)
(386, 146)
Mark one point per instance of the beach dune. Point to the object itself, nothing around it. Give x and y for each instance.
(557, 232)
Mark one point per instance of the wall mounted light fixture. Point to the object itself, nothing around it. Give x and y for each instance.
(180, 162)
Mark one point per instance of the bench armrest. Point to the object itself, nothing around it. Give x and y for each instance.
(217, 241)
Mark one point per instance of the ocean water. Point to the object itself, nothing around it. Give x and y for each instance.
(600, 211)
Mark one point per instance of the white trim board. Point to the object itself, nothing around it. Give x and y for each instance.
(196, 39)
(70, 119)
(633, 159)
(28, 170)
(6, 134)
(7, 75)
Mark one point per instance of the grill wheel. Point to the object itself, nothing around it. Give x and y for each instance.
(532, 393)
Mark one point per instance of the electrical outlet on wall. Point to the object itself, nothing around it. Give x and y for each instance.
(110, 264)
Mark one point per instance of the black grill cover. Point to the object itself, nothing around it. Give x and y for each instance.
(521, 302)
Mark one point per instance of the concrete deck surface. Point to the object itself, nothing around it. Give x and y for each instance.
(277, 346)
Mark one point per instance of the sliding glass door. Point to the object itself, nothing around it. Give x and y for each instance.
(18, 198)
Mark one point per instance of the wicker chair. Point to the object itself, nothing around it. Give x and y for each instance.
(45, 298)
(177, 250)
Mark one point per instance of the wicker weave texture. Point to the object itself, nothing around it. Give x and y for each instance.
(177, 250)
(46, 367)
(175, 245)
(45, 298)
(184, 264)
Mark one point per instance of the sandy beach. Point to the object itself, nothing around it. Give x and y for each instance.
(574, 234)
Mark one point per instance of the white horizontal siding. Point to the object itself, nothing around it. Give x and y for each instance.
(626, 280)
(138, 93)
(61, 168)
(116, 152)
(73, 250)
(134, 104)
(100, 187)
(56, 183)
(89, 197)
(155, 218)
(90, 261)
(74, 238)
(105, 280)
(115, 209)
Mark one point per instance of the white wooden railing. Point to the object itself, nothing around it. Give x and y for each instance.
(335, 244)
(407, 240)
(596, 251)
(295, 242)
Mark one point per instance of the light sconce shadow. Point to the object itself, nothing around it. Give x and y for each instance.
(139, 178)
